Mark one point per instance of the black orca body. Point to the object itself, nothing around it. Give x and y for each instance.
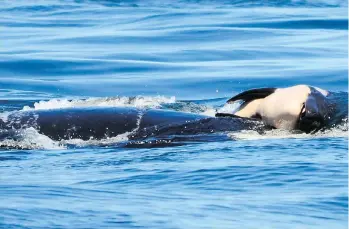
(303, 108)
(99, 123)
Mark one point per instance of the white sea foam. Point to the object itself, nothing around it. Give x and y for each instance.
(209, 112)
(138, 101)
(4, 116)
(30, 138)
(100, 142)
(338, 131)
(229, 108)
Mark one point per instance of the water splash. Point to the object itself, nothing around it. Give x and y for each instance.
(339, 131)
(30, 138)
(137, 101)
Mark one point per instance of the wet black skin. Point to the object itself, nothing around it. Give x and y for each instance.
(98, 123)
(317, 112)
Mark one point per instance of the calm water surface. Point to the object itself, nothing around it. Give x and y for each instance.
(180, 55)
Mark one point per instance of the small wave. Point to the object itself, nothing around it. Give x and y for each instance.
(64, 6)
(137, 101)
(220, 4)
(341, 24)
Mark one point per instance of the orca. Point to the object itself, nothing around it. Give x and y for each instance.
(106, 122)
(299, 107)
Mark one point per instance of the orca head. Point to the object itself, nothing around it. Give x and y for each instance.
(315, 112)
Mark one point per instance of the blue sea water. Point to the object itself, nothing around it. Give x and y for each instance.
(181, 55)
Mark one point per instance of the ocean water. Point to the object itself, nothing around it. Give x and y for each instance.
(179, 55)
